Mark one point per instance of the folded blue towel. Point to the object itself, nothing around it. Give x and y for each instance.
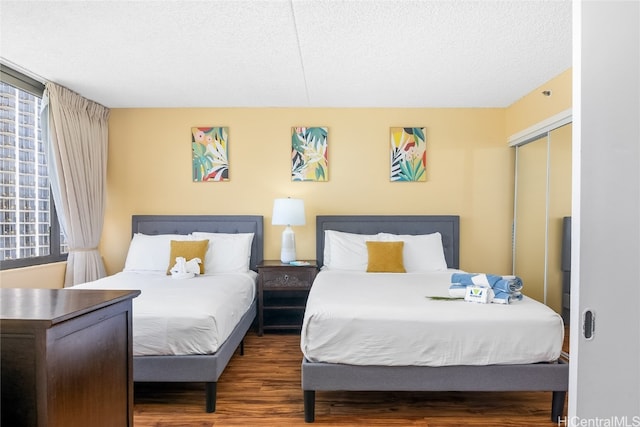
(506, 288)
(501, 297)
(509, 284)
(475, 279)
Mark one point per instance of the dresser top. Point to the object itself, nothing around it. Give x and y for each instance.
(56, 305)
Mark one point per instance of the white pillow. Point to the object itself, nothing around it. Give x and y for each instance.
(227, 252)
(421, 253)
(346, 251)
(150, 252)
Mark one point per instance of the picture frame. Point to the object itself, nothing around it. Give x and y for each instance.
(210, 154)
(408, 154)
(309, 154)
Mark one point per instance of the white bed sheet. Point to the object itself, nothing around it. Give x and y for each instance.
(180, 317)
(387, 319)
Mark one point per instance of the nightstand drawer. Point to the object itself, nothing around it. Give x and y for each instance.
(288, 279)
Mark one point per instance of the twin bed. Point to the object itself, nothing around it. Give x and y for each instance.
(394, 332)
(187, 330)
(361, 331)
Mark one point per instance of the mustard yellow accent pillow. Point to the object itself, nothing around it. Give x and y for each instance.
(385, 257)
(188, 249)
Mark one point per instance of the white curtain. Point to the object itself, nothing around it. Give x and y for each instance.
(76, 131)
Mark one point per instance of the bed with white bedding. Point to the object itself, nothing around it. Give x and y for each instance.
(389, 319)
(393, 331)
(181, 317)
(187, 330)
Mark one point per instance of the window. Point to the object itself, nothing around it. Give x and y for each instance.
(30, 231)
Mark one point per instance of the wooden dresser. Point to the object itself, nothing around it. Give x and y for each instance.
(66, 357)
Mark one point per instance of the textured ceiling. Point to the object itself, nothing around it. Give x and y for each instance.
(290, 53)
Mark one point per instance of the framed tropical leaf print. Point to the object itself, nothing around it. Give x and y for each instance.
(309, 154)
(408, 154)
(210, 148)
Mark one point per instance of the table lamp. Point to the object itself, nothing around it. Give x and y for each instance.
(288, 212)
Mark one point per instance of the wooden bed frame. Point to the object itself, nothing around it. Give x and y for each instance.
(205, 368)
(552, 377)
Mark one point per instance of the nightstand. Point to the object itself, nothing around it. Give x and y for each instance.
(282, 294)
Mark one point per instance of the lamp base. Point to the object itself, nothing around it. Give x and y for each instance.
(288, 251)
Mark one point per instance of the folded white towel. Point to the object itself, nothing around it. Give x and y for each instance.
(193, 266)
(182, 276)
(184, 269)
(457, 290)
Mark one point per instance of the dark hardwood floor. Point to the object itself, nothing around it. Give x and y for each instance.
(262, 388)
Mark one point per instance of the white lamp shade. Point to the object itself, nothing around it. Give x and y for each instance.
(288, 212)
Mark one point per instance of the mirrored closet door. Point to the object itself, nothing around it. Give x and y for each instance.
(542, 201)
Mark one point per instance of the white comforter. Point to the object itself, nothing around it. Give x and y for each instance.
(178, 317)
(388, 319)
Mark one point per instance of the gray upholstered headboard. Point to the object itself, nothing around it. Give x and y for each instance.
(447, 225)
(185, 224)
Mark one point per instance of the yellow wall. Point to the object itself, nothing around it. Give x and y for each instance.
(469, 172)
(535, 107)
(50, 276)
